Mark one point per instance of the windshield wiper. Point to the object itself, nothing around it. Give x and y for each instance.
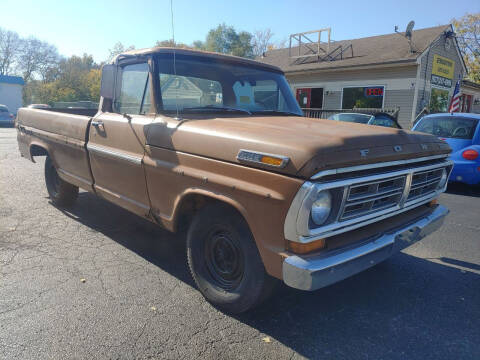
(220, 108)
(276, 112)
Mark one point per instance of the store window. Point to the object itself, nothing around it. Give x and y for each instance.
(310, 98)
(362, 97)
(438, 100)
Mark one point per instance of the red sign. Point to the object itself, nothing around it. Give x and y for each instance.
(373, 91)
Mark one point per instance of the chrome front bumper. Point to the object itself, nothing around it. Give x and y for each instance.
(315, 272)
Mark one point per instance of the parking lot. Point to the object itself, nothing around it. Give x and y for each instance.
(98, 282)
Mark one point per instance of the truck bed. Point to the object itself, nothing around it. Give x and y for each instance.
(61, 134)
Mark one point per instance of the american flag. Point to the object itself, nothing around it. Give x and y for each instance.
(455, 103)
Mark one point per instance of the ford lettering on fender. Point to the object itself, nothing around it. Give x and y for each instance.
(215, 147)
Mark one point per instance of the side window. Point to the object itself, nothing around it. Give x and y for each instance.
(133, 90)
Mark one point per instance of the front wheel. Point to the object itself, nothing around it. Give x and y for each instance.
(224, 260)
(61, 193)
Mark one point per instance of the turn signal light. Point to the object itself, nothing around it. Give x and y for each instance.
(299, 248)
(270, 160)
(470, 154)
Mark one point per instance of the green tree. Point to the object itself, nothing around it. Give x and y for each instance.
(117, 49)
(467, 29)
(224, 39)
(171, 43)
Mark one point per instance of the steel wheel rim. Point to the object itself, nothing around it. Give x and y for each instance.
(224, 260)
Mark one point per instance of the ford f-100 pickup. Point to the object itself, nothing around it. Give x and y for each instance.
(216, 147)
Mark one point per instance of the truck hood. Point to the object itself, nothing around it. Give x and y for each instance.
(311, 145)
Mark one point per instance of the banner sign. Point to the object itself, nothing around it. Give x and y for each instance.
(441, 81)
(443, 67)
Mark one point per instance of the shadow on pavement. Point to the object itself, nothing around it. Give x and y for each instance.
(406, 307)
(463, 189)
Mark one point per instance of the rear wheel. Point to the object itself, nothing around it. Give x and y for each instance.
(61, 193)
(224, 260)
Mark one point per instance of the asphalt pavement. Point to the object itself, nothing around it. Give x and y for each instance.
(96, 282)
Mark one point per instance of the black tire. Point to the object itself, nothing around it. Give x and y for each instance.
(61, 193)
(224, 260)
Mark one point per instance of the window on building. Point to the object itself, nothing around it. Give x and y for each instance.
(310, 98)
(438, 100)
(133, 89)
(362, 97)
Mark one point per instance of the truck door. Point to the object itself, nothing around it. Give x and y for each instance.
(117, 141)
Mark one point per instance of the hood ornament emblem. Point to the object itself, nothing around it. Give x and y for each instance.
(364, 152)
(397, 148)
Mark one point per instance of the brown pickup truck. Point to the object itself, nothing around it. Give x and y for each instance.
(216, 146)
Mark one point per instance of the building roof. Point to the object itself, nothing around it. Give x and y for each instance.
(374, 50)
(6, 79)
(470, 84)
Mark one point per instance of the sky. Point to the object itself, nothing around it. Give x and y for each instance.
(93, 27)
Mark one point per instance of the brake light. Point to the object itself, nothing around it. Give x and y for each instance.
(470, 154)
(11, 116)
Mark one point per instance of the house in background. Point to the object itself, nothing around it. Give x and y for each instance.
(11, 88)
(386, 71)
(470, 97)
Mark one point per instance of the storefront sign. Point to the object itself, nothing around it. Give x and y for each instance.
(443, 67)
(441, 81)
(373, 91)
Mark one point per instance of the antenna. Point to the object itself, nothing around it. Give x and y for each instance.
(174, 59)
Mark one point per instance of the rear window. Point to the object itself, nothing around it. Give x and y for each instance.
(3, 109)
(356, 118)
(448, 126)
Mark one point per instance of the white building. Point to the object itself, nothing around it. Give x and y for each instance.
(11, 92)
(385, 71)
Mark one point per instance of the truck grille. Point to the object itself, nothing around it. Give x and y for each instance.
(424, 183)
(366, 198)
(369, 197)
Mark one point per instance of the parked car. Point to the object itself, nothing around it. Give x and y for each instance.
(5, 116)
(261, 192)
(462, 132)
(39, 106)
(379, 119)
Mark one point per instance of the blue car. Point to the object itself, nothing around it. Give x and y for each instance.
(462, 132)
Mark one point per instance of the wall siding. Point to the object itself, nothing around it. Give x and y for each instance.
(399, 83)
(404, 100)
(11, 96)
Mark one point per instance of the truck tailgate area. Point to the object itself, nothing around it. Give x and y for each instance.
(63, 136)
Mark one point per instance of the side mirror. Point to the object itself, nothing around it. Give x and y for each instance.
(107, 85)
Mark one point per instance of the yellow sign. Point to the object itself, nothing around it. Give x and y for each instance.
(443, 67)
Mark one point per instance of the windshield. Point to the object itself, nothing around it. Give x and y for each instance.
(356, 118)
(211, 85)
(448, 126)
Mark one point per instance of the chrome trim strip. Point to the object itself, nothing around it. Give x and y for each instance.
(296, 222)
(374, 166)
(114, 154)
(285, 159)
(311, 273)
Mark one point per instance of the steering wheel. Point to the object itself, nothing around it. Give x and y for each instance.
(460, 131)
(437, 130)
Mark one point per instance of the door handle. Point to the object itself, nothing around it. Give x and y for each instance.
(98, 124)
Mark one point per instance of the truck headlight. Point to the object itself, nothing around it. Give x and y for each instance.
(443, 179)
(321, 207)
